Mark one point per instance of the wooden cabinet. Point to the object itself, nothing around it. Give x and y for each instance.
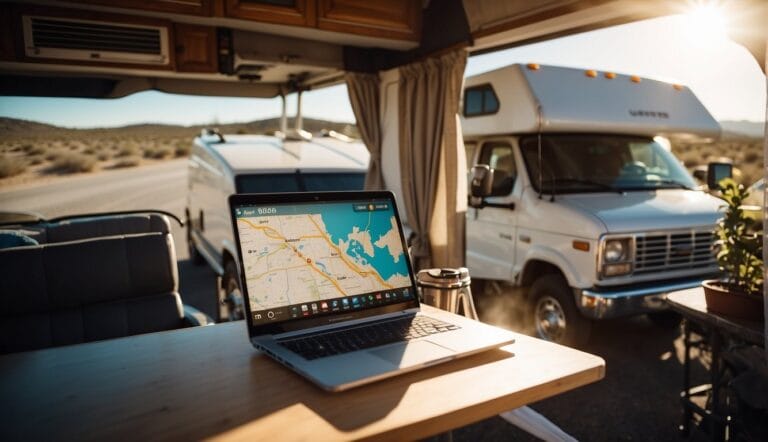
(195, 48)
(397, 19)
(283, 12)
(7, 50)
(192, 7)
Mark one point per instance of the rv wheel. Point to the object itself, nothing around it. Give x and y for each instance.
(555, 315)
(230, 300)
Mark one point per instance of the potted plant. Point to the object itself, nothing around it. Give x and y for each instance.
(739, 248)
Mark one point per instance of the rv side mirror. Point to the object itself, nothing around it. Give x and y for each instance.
(717, 172)
(482, 181)
(480, 185)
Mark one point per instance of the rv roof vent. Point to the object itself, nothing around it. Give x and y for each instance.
(71, 39)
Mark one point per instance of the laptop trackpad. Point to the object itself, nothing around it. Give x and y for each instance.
(412, 353)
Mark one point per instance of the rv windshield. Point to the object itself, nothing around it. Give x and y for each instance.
(599, 163)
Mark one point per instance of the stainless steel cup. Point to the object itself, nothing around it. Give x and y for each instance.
(447, 289)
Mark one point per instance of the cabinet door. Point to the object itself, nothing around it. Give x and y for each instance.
(195, 48)
(195, 7)
(396, 19)
(283, 12)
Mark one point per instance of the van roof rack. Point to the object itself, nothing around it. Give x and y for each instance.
(208, 132)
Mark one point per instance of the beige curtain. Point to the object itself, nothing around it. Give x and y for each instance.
(431, 158)
(363, 91)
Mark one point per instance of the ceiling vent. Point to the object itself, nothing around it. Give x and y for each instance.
(80, 40)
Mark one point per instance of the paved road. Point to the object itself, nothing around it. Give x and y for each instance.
(160, 186)
(636, 401)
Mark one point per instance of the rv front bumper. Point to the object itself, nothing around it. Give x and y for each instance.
(604, 303)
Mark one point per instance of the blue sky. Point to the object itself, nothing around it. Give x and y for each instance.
(721, 73)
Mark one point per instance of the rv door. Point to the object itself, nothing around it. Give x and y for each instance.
(491, 230)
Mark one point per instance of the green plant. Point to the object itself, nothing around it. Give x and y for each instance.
(739, 242)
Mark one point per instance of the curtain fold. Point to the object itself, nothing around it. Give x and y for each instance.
(363, 91)
(430, 153)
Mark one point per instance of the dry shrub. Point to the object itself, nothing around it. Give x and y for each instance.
(156, 152)
(72, 163)
(34, 149)
(89, 151)
(127, 162)
(35, 160)
(182, 149)
(10, 166)
(127, 151)
(103, 156)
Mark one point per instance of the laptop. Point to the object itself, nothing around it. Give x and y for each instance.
(330, 293)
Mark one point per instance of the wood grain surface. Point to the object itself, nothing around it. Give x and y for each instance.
(208, 382)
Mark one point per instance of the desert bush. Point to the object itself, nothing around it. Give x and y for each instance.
(156, 152)
(127, 151)
(34, 149)
(72, 163)
(35, 160)
(182, 149)
(89, 151)
(127, 162)
(10, 166)
(103, 156)
(54, 155)
(751, 157)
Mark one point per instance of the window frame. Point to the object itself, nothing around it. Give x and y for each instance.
(482, 88)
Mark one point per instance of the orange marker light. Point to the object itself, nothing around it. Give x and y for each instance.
(610, 75)
(533, 66)
(581, 245)
(678, 87)
(591, 73)
(635, 79)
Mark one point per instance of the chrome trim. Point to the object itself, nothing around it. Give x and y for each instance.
(596, 304)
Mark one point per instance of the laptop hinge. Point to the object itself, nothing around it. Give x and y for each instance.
(343, 324)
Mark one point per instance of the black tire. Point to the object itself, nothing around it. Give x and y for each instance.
(665, 319)
(194, 256)
(230, 297)
(555, 315)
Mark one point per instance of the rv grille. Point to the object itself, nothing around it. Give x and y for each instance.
(62, 34)
(674, 251)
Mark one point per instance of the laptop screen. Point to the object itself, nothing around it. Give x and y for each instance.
(309, 259)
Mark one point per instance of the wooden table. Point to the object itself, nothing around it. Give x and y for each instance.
(208, 382)
(716, 329)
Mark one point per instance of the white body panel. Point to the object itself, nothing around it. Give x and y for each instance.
(573, 102)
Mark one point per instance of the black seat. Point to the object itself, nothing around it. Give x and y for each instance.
(86, 290)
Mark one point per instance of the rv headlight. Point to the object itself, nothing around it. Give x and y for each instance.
(616, 250)
(616, 257)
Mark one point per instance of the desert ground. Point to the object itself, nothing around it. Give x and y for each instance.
(34, 152)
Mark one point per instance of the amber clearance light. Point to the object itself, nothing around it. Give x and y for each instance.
(610, 75)
(591, 73)
(533, 66)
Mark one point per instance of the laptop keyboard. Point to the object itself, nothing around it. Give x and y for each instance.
(366, 336)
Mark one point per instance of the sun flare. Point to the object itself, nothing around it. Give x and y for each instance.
(707, 22)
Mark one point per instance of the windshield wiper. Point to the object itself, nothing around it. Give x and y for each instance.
(673, 183)
(583, 181)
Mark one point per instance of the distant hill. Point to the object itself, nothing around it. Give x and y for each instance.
(752, 129)
(11, 128)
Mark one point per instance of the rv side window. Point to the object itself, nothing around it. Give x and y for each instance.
(480, 100)
(498, 155)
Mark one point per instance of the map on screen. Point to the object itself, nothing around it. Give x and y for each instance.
(301, 253)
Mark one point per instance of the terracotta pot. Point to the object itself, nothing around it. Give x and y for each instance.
(721, 300)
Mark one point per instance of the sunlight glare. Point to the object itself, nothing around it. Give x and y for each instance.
(706, 23)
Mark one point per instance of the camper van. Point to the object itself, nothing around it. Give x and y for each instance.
(221, 165)
(576, 196)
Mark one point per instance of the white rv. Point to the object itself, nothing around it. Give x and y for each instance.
(219, 167)
(577, 197)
